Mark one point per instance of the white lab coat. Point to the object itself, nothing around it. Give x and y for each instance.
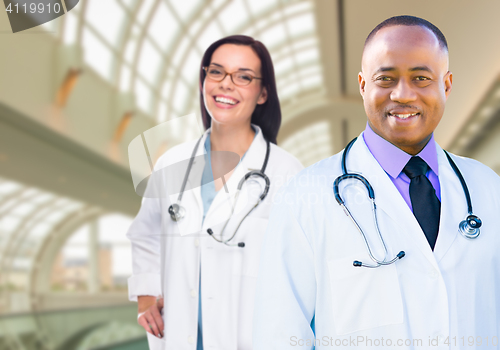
(228, 274)
(306, 265)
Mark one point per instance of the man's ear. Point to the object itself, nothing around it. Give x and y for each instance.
(361, 82)
(263, 96)
(448, 82)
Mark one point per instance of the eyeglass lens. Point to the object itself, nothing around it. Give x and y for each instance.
(238, 78)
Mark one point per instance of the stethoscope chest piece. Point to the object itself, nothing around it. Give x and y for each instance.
(177, 212)
(470, 227)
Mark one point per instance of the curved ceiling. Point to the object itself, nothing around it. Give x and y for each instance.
(27, 217)
(153, 48)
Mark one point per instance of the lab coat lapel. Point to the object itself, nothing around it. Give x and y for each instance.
(453, 206)
(220, 209)
(389, 200)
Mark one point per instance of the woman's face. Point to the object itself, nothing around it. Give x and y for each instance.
(226, 102)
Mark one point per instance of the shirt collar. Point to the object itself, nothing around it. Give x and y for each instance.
(392, 159)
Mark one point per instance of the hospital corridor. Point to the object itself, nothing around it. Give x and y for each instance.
(91, 99)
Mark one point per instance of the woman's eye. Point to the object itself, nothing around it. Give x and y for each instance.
(245, 77)
(214, 71)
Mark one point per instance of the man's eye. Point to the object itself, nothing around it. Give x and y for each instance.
(384, 78)
(421, 78)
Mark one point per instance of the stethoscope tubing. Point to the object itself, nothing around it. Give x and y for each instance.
(177, 208)
(469, 228)
(371, 195)
(462, 181)
(188, 170)
(258, 173)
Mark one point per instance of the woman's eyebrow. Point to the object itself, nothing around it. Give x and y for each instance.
(247, 69)
(243, 69)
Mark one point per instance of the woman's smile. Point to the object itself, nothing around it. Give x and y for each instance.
(224, 101)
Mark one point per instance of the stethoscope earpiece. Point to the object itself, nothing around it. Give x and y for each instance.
(239, 244)
(470, 227)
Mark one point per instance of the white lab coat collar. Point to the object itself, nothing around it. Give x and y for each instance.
(254, 157)
(453, 205)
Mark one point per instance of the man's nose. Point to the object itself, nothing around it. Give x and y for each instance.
(403, 92)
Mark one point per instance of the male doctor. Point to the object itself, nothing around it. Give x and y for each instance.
(445, 292)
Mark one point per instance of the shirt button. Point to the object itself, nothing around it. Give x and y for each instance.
(433, 274)
(196, 242)
(191, 340)
(193, 293)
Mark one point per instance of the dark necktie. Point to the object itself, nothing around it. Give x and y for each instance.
(426, 205)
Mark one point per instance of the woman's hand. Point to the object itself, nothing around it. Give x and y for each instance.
(150, 319)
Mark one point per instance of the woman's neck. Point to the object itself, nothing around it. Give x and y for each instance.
(235, 139)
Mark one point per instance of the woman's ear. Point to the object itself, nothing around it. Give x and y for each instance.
(263, 96)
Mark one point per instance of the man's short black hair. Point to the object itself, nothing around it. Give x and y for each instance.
(409, 21)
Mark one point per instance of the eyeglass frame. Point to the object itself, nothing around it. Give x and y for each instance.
(231, 75)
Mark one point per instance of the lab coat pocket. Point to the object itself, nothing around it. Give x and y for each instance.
(155, 343)
(364, 298)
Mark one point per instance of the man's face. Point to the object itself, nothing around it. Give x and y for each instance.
(405, 83)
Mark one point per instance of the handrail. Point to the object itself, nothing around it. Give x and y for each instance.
(55, 311)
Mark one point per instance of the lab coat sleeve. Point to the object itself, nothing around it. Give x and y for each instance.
(144, 234)
(286, 286)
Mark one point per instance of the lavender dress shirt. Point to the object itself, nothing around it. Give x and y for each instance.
(393, 160)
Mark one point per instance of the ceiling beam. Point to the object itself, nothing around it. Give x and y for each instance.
(37, 156)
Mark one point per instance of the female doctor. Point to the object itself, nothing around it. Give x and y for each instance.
(204, 265)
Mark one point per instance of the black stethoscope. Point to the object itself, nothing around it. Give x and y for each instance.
(469, 228)
(177, 211)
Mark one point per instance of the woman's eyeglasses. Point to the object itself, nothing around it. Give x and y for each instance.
(239, 78)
